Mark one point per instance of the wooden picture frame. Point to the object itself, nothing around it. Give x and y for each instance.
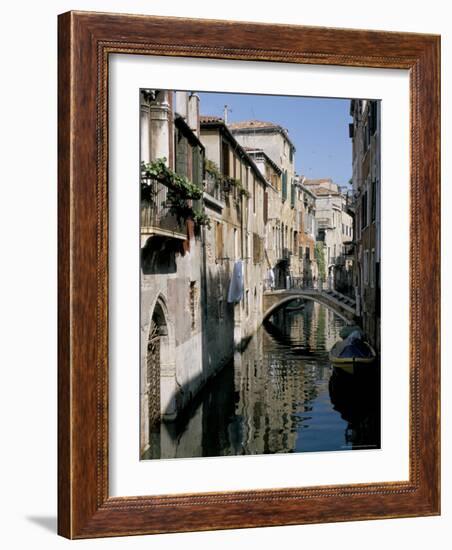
(86, 40)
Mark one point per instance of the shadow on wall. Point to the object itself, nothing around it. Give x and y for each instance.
(158, 256)
(204, 427)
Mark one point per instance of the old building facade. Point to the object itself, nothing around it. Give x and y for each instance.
(334, 230)
(365, 134)
(307, 234)
(240, 216)
(171, 253)
(283, 236)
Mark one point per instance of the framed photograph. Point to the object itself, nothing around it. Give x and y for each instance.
(248, 275)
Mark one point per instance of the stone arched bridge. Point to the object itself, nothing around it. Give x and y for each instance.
(340, 304)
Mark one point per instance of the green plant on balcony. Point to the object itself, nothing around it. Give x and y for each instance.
(212, 169)
(201, 219)
(244, 192)
(233, 183)
(181, 191)
(228, 183)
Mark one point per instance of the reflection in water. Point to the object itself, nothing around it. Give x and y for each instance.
(281, 395)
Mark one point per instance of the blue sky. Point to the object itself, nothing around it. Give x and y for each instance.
(318, 127)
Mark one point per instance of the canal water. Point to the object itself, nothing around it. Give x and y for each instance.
(281, 395)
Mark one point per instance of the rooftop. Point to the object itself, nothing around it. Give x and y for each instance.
(322, 187)
(257, 152)
(317, 181)
(205, 119)
(253, 125)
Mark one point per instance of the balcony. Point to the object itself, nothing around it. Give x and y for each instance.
(213, 192)
(349, 248)
(284, 255)
(156, 218)
(325, 223)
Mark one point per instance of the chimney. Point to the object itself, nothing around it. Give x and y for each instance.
(193, 114)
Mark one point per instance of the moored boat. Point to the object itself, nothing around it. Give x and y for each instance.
(351, 351)
(347, 330)
(295, 305)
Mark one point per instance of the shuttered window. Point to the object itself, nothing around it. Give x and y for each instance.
(265, 207)
(197, 164)
(181, 154)
(284, 184)
(219, 240)
(258, 249)
(225, 159)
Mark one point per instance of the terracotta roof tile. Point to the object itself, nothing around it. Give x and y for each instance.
(317, 181)
(253, 124)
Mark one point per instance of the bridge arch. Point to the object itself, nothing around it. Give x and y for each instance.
(281, 301)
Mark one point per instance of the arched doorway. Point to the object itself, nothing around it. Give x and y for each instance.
(157, 339)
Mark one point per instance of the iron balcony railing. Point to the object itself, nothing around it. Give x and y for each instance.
(156, 216)
(213, 187)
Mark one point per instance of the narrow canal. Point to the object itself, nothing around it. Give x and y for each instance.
(281, 395)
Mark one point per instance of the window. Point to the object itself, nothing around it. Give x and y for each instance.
(366, 136)
(372, 268)
(364, 210)
(197, 166)
(181, 154)
(366, 267)
(225, 159)
(284, 185)
(373, 206)
(219, 240)
(308, 254)
(258, 249)
(373, 117)
(254, 195)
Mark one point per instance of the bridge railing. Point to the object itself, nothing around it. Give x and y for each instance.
(291, 282)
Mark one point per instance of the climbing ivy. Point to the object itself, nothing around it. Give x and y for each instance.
(320, 259)
(201, 219)
(227, 182)
(181, 191)
(159, 171)
(237, 184)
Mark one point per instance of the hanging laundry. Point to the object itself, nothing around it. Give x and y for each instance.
(271, 278)
(235, 292)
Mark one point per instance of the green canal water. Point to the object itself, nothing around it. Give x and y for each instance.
(280, 395)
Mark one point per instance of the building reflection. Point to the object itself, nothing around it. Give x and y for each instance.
(280, 395)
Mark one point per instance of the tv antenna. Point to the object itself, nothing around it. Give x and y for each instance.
(226, 111)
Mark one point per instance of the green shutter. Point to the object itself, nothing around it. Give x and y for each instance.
(181, 155)
(284, 184)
